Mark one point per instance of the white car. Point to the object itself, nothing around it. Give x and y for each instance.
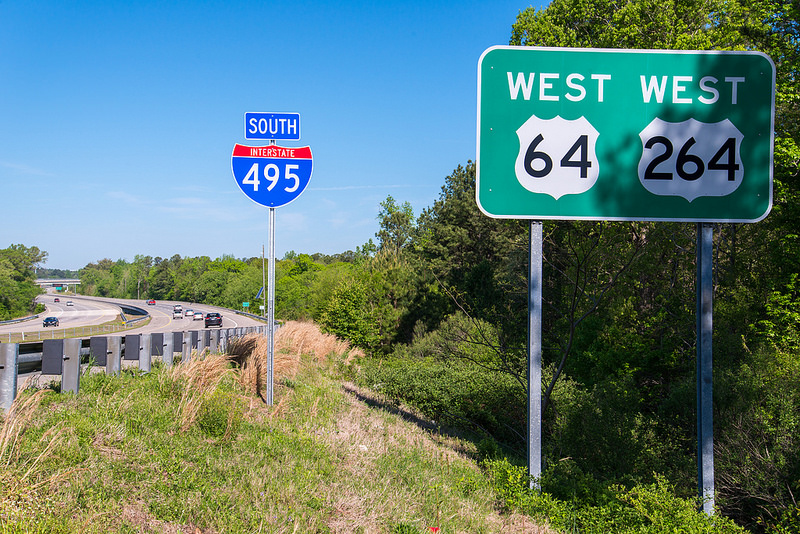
(198, 316)
(177, 314)
(188, 313)
(69, 303)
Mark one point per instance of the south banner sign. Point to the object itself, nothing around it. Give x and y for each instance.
(272, 126)
(603, 134)
(272, 175)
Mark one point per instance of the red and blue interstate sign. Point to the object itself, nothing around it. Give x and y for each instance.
(272, 175)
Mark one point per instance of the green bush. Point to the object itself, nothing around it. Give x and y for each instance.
(452, 393)
(220, 415)
(645, 509)
(345, 315)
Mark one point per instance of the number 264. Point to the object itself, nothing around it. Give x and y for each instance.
(272, 173)
(689, 166)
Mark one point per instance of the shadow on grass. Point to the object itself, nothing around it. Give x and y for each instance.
(457, 435)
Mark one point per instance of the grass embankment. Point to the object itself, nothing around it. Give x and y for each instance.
(194, 449)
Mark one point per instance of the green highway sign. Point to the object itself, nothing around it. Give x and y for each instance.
(603, 134)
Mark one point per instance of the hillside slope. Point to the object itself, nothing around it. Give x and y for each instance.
(193, 450)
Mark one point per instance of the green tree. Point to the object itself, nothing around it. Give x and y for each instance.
(161, 280)
(474, 259)
(24, 260)
(347, 316)
(18, 291)
(396, 225)
(98, 279)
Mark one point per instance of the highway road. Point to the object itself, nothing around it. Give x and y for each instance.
(86, 311)
(82, 312)
(162, 321)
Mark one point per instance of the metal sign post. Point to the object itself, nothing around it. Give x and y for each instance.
(535, 355)
(705, 416)
(271, 307)
(263, 284)
(271, 176)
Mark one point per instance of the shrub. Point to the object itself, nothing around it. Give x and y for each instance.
(454, 393)
(645, 509)
(345, 315)
(220, 415)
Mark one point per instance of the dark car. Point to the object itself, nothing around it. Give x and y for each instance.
(213, 319)
(50, 321)
(56, 299)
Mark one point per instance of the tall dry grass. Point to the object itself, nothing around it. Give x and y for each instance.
(200, 377)
(298, 337)
(20, 481)
(292, 340)
(14, 423)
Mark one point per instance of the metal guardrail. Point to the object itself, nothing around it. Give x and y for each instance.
(65, 356)
(21, 319)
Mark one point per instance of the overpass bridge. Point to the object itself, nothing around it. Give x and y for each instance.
(57, 282)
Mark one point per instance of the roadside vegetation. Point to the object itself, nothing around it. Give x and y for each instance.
(17, 281)
(194, 449)
(438, 303)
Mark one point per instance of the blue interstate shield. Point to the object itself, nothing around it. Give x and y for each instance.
(271, 175)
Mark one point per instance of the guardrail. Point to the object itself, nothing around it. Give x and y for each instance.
(20, 319)
(64, 357)
(140, 313)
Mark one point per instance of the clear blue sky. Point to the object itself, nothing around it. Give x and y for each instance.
(118, 119)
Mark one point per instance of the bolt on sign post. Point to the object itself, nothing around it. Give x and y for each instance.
(626, 135)
(271, 176)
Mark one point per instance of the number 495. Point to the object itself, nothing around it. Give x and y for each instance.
(272, 173)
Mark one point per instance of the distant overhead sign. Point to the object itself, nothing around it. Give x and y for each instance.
(625, 134)
(273, 126)
(272, 175)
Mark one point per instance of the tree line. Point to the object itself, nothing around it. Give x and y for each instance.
(18, 265)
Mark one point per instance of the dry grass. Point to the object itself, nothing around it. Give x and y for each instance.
(201, 378)
(297, 337)
(367, 440)
(292, 340)
(15, 422)
(20, 487)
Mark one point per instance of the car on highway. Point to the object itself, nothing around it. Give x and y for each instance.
(50, 321)
(213, 319)
(56, 299)
(151, 302)
(177, 314)
(189, 313)
(69, 303)
(198, 316)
